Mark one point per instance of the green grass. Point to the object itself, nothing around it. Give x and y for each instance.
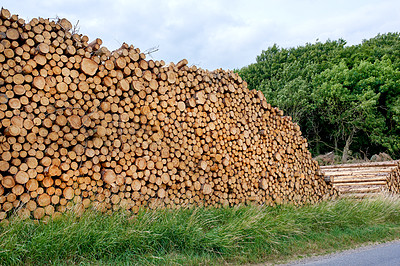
(244, 234)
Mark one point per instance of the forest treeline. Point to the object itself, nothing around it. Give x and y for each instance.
(346, 98)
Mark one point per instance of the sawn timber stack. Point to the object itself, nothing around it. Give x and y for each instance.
(361, 179)
(83, 126)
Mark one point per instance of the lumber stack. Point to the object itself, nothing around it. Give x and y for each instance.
(363, 178)
(83, 126)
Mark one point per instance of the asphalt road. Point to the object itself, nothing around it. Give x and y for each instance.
(381, 254)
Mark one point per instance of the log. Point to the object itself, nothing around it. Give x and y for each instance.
(355, 171)
(44, 200)
(89, 67)
(8, 182)
(360, 177)
(363, 165)
(22, 177)
(109, 176)
(65, 24)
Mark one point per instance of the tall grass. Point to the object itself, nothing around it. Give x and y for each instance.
(242, 234)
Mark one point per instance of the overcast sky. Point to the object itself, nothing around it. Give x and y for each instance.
(214, 34)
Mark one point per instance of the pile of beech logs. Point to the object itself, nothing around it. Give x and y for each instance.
(83, 126)
(361, 179)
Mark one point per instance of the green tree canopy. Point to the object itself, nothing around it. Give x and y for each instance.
(343, 97)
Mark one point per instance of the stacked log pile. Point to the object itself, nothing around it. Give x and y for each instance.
(393, 180)
(82, 126)
(363, 178)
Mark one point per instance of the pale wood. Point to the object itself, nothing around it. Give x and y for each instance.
(359, 179)
(65, 24)
(5, 13)
(369, 164)
(39, 82)
(12, 34)
(355, 171)
(85, 126)
(109, 176)
(8, 182)
(75, 121)
(369, 183)
(89, 67)
(22, 177)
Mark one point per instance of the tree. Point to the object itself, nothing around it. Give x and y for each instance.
(345, 106)
(361, 83)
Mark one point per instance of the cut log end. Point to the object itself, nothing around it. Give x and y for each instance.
(89, 67)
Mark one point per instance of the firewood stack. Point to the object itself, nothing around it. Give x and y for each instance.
(83, 126)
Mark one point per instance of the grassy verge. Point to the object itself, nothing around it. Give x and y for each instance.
(246, 234)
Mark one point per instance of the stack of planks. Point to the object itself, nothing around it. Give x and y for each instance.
(361, 178)
(83, 126)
